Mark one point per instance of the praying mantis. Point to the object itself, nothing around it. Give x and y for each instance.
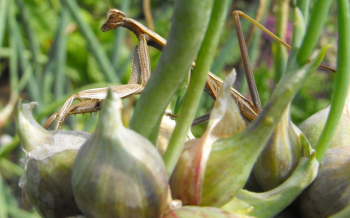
(92, 100)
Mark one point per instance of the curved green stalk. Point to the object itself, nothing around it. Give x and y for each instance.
(54, 69)
(94, 45)
(3, 16)
(5, 113)
(315, 25)
(61, 53)
(13, 56)
(342, 80)
(11, 168)
(3, 207)
(7, 148)
(28, 77)
(298, 34)
(303, 5)
(270, 203)
(278, 50)
(190, 21)
(32, 38)
(24, 62)
(197, 82)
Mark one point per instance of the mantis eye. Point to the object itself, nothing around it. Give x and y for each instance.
(114, 19)
(115, 15)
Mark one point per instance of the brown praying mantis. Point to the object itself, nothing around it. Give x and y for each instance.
(141, 71)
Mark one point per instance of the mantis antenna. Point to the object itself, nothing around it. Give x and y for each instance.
(107, 3)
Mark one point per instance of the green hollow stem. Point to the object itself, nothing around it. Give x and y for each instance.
(278, 50)
(94, 45)
(13, 57)
(3, 17)
(3, 206)
(303, 5)
(10, 199)
(315, 25)
(5, 113)
(54, 69)
(61, 53)
(28, 77)
(10, 168)
(190, 20)
(197, 82)
(342, 80)
(32, 38)
(7, 148)
(298, 34)
(24, 62)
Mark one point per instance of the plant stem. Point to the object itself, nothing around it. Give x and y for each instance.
(342, 80)
(3, 207)
(315, 25)
(28, 77)
(297, 38)
(278, 50)
(303, 5)
(32, 38)
(197, 82)
(54, 69)
(11, 168)
(3, 16)
(190, 21)
(13, 56)
(61, 53)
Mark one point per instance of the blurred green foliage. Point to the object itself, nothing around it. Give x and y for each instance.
(59, 61)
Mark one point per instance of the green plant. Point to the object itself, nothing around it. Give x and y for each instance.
(199, 31)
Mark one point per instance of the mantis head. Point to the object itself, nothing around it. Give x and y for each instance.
(114, 20)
